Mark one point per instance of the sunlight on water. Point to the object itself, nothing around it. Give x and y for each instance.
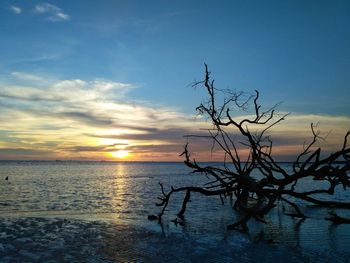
(126, 193)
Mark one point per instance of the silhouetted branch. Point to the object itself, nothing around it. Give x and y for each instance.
(337, 219)
(255, 196)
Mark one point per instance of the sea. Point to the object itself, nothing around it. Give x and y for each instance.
(79, 211)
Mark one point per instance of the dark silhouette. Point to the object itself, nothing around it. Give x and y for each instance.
(254, 196)
(337, 219)
(7, 178)
(152, 217)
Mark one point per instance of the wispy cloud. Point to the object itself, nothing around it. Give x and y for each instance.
(27, 76)
(97, 148)
(54, 13)
(86, 118)
(65, 91)
(170, 134)
(16, 9)
(82, 119)
(22, 153)
(90, 119)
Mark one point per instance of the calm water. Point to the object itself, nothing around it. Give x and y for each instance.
(126, 193)
(100, 189)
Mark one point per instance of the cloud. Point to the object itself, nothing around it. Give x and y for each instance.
(175, 148)
(89, 119)
(74, 90)
(171, 134)
(98, 148)
(75, 118)
(86, 118)
(23, 154)
(27, 93)
(27, 76)
(16, 9)
(54, 13)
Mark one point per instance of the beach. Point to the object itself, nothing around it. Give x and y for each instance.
(99, 214)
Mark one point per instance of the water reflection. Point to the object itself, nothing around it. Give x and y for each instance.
(122, 190)
(126, 192)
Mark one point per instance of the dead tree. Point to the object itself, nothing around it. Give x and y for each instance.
(255, 196)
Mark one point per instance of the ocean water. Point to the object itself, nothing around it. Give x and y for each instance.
(97, 212)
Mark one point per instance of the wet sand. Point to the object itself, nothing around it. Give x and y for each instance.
(41, 239)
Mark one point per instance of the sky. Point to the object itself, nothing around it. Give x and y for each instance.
(111, 80)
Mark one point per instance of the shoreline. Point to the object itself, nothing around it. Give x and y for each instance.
(71, 239)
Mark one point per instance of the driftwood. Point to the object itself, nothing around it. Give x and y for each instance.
(236, 176)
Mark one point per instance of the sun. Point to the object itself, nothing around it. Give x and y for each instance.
(121, 154)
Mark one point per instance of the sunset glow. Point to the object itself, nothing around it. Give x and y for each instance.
(121, 154)
(124, 123)
(84, 86)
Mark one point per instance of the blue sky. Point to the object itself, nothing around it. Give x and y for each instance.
(297, 52)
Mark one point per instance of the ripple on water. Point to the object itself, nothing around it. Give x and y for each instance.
(91, 196)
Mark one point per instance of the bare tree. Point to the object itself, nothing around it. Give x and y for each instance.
(257, 182)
